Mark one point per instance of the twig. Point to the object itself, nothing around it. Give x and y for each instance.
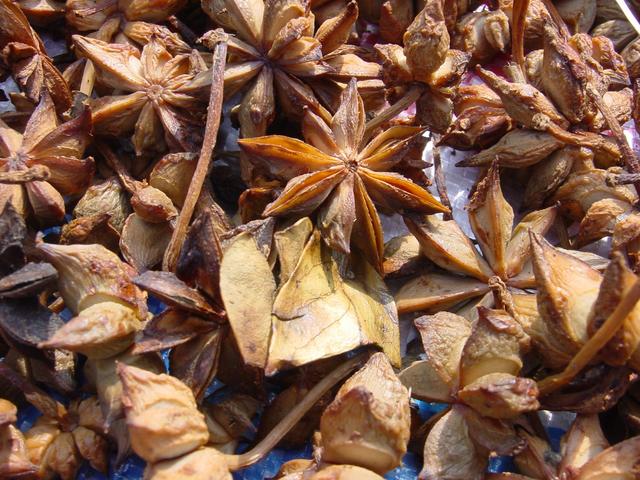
(517, 43)
(33, 174)
(236, 462)
(629, 14)
(441, 185)
(410, 97)
(210, 134)
(613, 180)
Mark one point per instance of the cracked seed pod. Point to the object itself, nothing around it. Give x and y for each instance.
(482, 34)
(449, 451)
(563, 78)
(142, 243)
(626, 239)
(62, 456)
(523, 102)
(583, 441)
(436, 379)
(533, 67)
(162, 415)
(8, 412)
(434, 111)
(202, 464)
(579, 15)
(547, 175)
(14, 460)
(537, 460)
(91, 274)
(92, 447)
(344, 472)
(172, 175)
(477, 128)
(102, 374)
(501, 395)
(374, 403)
(493, 435)
(624, 345)
(583, 188)
(426, 41)
(619, 31)
(516, 149)
(38, 439)
(567, 291)
(153, 205)
(620, 103)
(106, 197)
(600, 220)
(101, 330)
(401, 256)
(631, 56)
(89, 230)
(496, 345)
(618, 461)
(537, 16)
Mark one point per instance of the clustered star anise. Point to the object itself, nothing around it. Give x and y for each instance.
(212, 213)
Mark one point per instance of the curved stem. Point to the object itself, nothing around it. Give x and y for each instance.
(590, 349)
(236, 462)
(517, 43)
(410, 97)
(214, 112)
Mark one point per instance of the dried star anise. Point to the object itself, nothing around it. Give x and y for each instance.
(341, 174)
(162, 105)
(45, 142)
(276, 53)
(505, 250)
(23, 51)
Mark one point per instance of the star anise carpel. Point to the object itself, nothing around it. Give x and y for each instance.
(161, 103)
(340, 174)
(46, 142)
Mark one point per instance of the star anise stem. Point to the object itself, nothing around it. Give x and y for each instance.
(410, 97)
(440, 180)
(202, 168)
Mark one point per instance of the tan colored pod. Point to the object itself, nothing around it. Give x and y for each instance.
(368, 422)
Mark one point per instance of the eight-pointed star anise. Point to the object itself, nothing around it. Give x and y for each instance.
(506, 250)
(275, 48)
(340, 174)
(59, 148)
(162, 104)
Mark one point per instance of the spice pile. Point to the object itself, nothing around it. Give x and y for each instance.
(198, 204)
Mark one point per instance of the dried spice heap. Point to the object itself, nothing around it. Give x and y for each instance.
(221, 234)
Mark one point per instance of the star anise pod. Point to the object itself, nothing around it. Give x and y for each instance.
(341, 174)
(276, 54)
(161, 104)
(42, 12)
(476, 367)
(46, 143)
(505, 250)
(23, 51)
(61, 438)
(425, 69)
